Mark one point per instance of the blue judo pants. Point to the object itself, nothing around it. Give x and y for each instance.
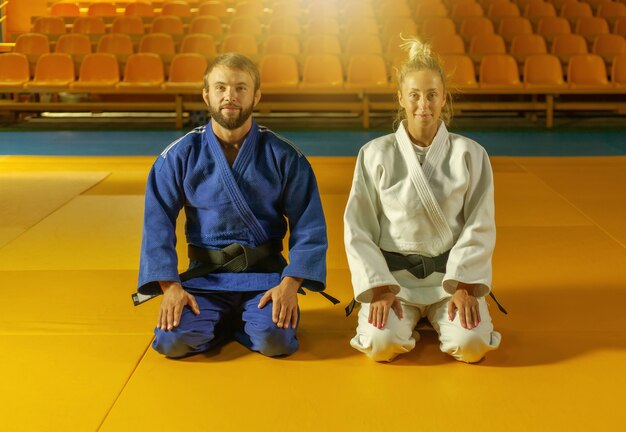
(225, 316)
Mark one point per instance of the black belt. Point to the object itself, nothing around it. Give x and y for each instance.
(234, 258)
(419, 266)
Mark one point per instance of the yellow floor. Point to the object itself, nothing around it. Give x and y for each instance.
(75, 353)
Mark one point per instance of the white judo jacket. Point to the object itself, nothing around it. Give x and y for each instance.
(384, 211)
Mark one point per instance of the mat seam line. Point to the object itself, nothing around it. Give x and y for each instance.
(581, 211)
(119, 394)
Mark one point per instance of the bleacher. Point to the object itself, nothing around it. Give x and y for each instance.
(319, 56)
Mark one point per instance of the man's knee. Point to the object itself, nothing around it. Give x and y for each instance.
(272, 341)
(180, 343)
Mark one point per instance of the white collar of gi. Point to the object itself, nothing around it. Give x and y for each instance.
(438, 147)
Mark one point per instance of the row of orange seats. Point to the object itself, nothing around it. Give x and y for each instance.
(510, 27)
(320, 71)
(222, 9)
(563, 46)
(212, 25)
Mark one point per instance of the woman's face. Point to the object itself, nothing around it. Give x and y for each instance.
(422, 96)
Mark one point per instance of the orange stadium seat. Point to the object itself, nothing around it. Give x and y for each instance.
(397, 9)
(64, 9)
(611, 11)
(437, 26)
(322, 71)
(54, 71)
(281, 44)
(361, 25)
(206, 24)
(523, 3)
(591, 27)
(139, 8)
(499, 70)
(202, 44)
(366, 70)
(284, 25)
(463, 10)
(51, 26)
(500, 10)
(523, 46)
(76, 45)
(170, 24)
(575, 11)
(213, 8)
(102, 10)
(250, 8)
(286, 8)
(186, 72)
(620, 26)
(322, 44)
(482, 45)
(558, 4)
(32, 45)
(130, 25)
(511, 27)
(543, 70)
(394, 26)
(618, 71)
(14, 70)
(323, 25)
(363, 44)
(566, 46)
(587, 71)
(358, 10)
(460, 71)
(144, 70)
(157, 43)
(246, 25)
(538, 10)
(394, 52)
(178, 8)
(549, 27)
(323, 9)
(475, 26)
(448, 44)
(609, 46)
(425, 12)
(118, 44)
(241, 43)
(89, 25)
(278, 71)
(97, 71)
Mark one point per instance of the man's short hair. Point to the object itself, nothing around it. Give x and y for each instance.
(234, 61)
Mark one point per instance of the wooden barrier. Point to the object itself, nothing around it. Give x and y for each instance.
(361, 102)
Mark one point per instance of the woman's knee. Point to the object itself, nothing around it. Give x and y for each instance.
(468, 346)
(382, 345)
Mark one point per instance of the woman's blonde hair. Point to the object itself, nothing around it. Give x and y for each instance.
(421, 57)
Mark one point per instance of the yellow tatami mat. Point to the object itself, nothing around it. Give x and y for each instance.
(77, 356)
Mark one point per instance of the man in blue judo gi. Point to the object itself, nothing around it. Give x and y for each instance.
(241, 186)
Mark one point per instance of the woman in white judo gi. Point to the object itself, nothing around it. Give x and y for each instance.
(419, 226)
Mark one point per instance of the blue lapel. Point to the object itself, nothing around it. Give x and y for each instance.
(228, 175)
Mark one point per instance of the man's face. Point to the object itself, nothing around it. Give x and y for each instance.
(230, 97)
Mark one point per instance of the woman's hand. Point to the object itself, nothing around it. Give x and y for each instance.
(466, 304)
(383, 300)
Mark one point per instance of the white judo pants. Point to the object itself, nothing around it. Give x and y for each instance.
(399, 336)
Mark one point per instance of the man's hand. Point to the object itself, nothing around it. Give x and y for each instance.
(284, 299)
(175, 298)
(466, 304)
(383, 300)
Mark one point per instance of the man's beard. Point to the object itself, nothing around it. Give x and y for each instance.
(231, 123)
